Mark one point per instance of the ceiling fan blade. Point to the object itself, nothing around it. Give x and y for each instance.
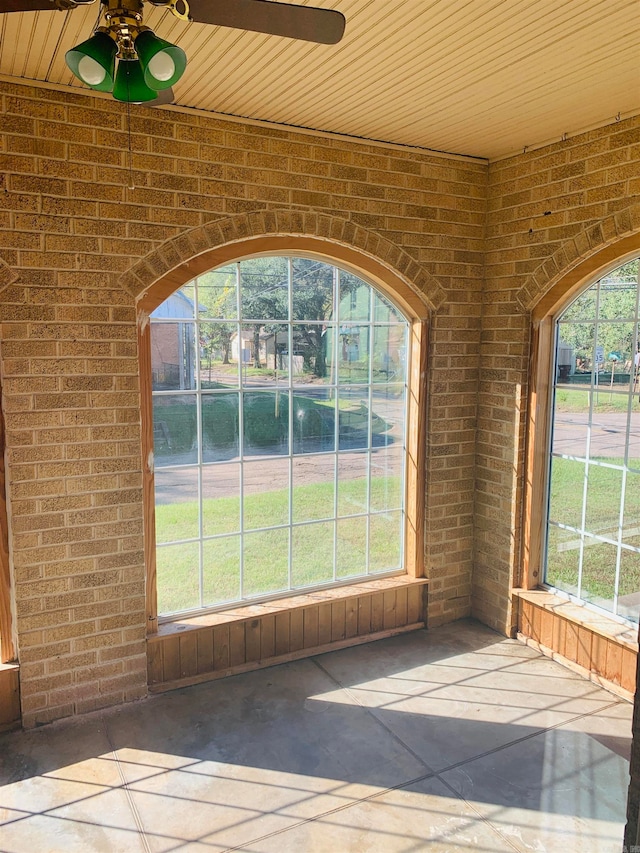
(25, 5)
(166, 96)
(324, 26)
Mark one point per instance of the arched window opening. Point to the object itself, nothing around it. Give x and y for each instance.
(593, 518)
(279, 396)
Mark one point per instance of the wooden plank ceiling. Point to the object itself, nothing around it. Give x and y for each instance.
(478, 77)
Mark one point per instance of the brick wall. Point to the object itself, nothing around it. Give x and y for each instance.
(547, 209)
(69, 228)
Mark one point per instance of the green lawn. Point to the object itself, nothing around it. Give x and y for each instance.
(266, 551)
(577, 399)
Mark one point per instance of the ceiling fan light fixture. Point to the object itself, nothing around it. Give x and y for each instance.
(162, 63)
(94, 61)
(130, 86)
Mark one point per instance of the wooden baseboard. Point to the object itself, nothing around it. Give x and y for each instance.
(252, 637)
(299, 655)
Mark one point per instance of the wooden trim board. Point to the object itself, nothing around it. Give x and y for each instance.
(256, 636)
(601, 647)
(9, 697)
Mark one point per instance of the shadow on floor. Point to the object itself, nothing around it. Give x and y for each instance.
(456, 714)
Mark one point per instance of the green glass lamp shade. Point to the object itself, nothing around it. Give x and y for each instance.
(94, 61)
(163, 63)
(130, 85)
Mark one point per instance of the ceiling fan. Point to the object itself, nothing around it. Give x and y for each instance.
(148, 66)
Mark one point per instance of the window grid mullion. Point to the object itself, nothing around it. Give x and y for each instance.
(240, 423)
(198, 388)
(369, 431)
(290, 417)
(335, 365)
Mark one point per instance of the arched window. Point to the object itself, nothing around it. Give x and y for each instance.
(279, 396)
(593, 519)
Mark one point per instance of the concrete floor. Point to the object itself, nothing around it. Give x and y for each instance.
(453, 739)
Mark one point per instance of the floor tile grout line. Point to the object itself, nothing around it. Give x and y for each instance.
(536, 733)
(125, 787)
(463, 681)
(482, 817)
(425, 776)
(377, 720)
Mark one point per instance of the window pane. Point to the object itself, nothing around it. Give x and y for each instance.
(571, 422)
(353, 483)
(608, 437)
(275, 353)
(220, 499)
(219, 366)
(355, 298)
(174, 429)
(631, 523)
(353, 354)
(388, 415)
(266, 422)
(351, 556)
(266, 561)
(221, 569)
(313, 487)
(615, 343)
(173, 356)
(312, 290)
(255, 352)
(598, 572)
(178, 574)
(384, 541)
(566, 492)
(264, 289)
(575, 358)
(386, 478)
(389, 349)
(582, 308)
(177, 508)
(312, 554)
(353, 418)
(220, 427)
(604, 490)
(617, 301)
(385, 312)
(314, 414)
(563, 559)
(217, 295)
(629, 592)
(313, 354)
(266, 493)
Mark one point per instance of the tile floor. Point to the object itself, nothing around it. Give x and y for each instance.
(447, 740)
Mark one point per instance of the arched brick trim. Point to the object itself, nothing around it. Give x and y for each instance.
(243, 228)
(7, 275)
(583, 255)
